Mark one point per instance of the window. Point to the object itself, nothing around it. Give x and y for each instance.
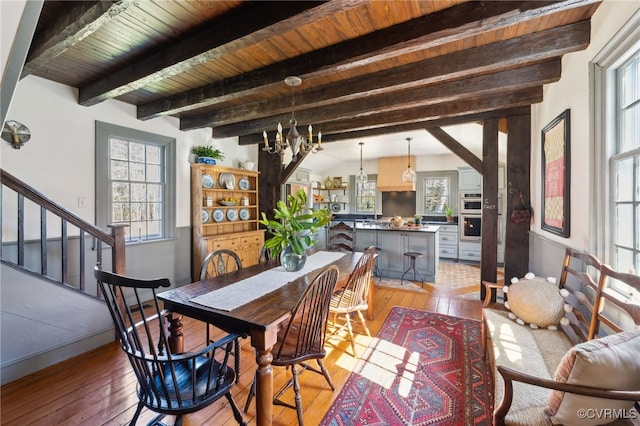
(616, 83)
(135, 182)
(625, 169)
(436, 194)
(366, 196)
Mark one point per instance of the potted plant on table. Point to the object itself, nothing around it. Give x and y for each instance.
(292, 230)
(417, 219)
(448, 212)
(207, 154)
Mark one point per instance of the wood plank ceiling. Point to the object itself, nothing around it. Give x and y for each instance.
(368, 67)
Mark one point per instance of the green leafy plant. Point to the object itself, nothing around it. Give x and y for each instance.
(417, 216)
(294, 224)
(448, 211)
(207, 151)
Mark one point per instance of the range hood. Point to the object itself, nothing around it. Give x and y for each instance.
(390, 174)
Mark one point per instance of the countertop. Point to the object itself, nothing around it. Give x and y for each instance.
(405, 228)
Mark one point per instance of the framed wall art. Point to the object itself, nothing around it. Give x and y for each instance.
(556, 175)
(337, 182)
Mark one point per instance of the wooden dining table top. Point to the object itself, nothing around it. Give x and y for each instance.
(258, 314)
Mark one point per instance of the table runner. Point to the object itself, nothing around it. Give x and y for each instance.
(244, 291)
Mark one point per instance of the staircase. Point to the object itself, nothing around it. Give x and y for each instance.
(51, 309)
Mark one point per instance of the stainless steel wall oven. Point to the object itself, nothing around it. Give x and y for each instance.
(470, 227)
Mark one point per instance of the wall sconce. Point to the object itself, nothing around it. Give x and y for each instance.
(17, 134)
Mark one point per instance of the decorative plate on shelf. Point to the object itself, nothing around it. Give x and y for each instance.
(208, 182)
(244, 214)
(218, 215)
(243, 184)
(205, 216)
(335, 207)
(232, 215)
(227, 181)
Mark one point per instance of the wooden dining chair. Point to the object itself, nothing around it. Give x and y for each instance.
(168, 384)
(302, 339)
(216, 263)
(353, 297)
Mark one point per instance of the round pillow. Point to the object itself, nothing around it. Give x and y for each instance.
(535, 301)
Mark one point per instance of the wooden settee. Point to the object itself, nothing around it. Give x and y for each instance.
(525, 360)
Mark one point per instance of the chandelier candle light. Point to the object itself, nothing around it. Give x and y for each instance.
(294, 140)
(409, 175)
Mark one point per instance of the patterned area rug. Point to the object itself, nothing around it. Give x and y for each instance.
(453, 280)
(421, 369)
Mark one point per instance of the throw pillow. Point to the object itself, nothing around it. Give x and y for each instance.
(611, 362)
(535, 301)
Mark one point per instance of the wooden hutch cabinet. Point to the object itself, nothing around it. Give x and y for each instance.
(224, 213)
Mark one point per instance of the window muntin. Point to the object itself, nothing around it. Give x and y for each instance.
(137, 190)
(436, 194)
(366, 197)
(624, 171)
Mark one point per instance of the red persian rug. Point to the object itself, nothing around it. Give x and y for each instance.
(421, 369)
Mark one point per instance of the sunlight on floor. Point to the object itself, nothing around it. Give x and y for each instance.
(381, 362)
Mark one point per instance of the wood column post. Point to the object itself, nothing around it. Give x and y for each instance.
(270, 167)
(489, 255)
(518, 182)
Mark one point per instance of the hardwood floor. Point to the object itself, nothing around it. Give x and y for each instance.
(98, 388)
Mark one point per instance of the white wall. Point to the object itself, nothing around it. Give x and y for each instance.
(59, 159)
(572, 91)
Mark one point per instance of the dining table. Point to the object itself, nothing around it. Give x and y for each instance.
(253, 301)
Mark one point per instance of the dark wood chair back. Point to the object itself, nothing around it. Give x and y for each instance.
(174, 384)
(303, 337)
(219, 262)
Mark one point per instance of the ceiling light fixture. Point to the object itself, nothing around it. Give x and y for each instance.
(409, 175)
(294, 140)
(361, 177)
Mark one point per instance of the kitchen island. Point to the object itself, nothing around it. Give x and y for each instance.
(395, 241)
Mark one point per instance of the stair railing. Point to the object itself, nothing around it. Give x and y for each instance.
(59, 253)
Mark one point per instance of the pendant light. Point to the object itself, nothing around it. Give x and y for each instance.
(361, 177)
(409, 175)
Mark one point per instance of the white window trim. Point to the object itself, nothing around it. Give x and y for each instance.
(619, 49)
(103, 133)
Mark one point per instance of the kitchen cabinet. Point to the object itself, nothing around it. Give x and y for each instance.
(393, 244)
(366, 238)
(390, 174)
(470, 179)
(449, 241)
(215, 225)
(470, 250)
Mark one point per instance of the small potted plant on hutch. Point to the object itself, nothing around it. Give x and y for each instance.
(448, 212)
(292, 230)
(207, 154)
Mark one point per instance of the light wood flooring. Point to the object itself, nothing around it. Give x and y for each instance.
(98, 388)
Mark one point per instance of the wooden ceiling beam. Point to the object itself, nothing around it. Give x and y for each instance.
(482, 85)
(248, 24)
(80, 20)
(455, 147)
(417, 125)
(458, 112)
(449, 25)
(515, 52)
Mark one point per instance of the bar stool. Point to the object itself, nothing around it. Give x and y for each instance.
(412, 255)
(376, 271)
